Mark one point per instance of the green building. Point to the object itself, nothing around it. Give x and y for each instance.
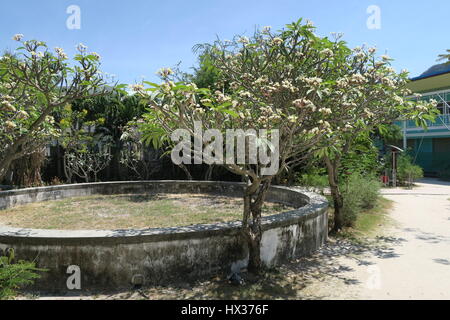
(431, 148)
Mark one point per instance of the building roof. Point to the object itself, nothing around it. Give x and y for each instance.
(435, 70)
(435, 78)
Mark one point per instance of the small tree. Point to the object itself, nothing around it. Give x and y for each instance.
(15, 274)
(271, 81)
(136, 156)
(87, 163)
(361, 94)
(86, 155)
(34, 83)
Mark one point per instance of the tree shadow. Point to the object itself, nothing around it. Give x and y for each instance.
(442, 261)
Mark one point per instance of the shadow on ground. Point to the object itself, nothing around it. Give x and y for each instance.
(290, 281)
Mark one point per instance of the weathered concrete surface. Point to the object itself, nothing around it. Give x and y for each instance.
(112, 258)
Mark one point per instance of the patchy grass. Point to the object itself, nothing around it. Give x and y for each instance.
(126, 211)
(319, 276)
(368, 222)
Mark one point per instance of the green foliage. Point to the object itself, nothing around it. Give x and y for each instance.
(34, 84)
(389, 133)
(445, 57)
(406, 170)
(91, 131)
(359, 193)
(362, 158)
(315, 177)
(14, 276)
(206, 75)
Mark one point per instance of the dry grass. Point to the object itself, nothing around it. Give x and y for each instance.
(319, 276)
(129, 211)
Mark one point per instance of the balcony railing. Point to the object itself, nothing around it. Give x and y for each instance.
(442, 120)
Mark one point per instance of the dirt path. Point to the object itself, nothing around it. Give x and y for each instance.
(412, 260)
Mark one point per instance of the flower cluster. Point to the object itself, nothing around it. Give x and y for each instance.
(313, 82)
(138, 88)
(304, 103)
(277, 41)
(165, 72)
(61, 54)
(18, 37)
(6, 104)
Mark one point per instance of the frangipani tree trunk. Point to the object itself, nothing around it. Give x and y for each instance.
(254, 197)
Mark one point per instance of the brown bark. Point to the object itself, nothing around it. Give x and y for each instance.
(338, 200)
(254, 197)
(27, 170)
(13, 151)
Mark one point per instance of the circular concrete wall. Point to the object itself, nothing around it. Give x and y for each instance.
(112, 259)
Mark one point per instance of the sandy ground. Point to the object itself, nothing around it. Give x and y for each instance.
(411, 260)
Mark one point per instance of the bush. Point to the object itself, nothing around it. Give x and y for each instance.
(359, 193)
(315, 177)
(362, 158)
(14, 276)
(406, 170)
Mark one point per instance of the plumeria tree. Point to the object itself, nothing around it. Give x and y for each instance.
(316, 92)
(272, 82)
(35, 82)
(142, 161)
(362, 94)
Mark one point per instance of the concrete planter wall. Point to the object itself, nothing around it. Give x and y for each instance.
(112, 259)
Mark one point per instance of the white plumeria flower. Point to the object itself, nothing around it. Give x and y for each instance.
(327, 52)
(243, 40)
(81, 47)
(309, 23)
(18, 37)
(10, 124)
(61, 54)
(136, 87)
(277, 41)
(165, 72)
(96, 55)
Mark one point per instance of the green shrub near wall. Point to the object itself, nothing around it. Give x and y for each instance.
(360, 193)
(407, 171)
(15, 275)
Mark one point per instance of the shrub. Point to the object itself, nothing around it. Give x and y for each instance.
(362, 158)
(14, 276)
(352, 205)
(406, 170)
(314, 177)
(359, 193)
(313, 180)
